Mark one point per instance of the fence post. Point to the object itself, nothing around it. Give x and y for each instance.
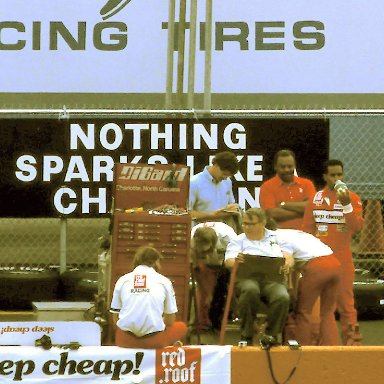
(63, 245)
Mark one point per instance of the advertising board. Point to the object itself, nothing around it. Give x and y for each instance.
(111, 47)
(52, 168)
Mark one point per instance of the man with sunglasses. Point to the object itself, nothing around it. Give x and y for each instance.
(260, 241)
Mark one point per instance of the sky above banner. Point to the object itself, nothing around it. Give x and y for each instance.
(258, 47)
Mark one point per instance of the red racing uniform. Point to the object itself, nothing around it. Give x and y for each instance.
(335, 224)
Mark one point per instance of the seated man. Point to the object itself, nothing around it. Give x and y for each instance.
(208, 244)
(146, 306)
(257, 240)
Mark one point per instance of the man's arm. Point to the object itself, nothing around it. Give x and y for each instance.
(234, 250)
(220, 214)
(309, 224)
(272, 207)
(286, 210)
(281, 214)
(294, 206)
(297, 207)
(169, 318)
(352, 209)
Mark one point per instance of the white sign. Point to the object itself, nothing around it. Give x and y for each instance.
(198, 365)
(112, 46)
(25, 333)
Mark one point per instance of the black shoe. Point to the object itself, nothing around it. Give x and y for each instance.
(248, 340)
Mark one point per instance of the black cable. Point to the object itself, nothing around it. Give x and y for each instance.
(267, 349)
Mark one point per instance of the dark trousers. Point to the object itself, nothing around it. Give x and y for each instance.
(276, 296)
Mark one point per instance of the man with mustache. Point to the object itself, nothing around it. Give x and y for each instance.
(285, 196)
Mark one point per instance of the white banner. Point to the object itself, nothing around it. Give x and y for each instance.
(120, 46)
(198, 365)
(27, 332)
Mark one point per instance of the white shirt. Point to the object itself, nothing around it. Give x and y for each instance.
(141, 297)
(302, 245)
(269, 246)
(224, 233)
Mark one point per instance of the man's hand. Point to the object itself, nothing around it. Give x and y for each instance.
(343, 196)
(232, 207)
(228, 210)
(229, 263)
(289, 262)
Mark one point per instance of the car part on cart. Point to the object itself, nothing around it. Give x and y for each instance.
(45, 342)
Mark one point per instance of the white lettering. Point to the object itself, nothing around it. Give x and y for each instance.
(136, 130)
(58, 200)
(238, 176)
(180, 357)
(52, 165)
(210, 138)
(136, 159)
(100, 200)
(253, 167)
(182, 136)
(27, 171)
(237, 131)
(76, 133)
(109, 130)
(76, 170)
(246, 200)
(191, 164)
(103, 165)
(156, 136)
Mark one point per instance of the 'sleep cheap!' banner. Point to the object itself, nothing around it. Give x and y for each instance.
(120, 46)
(197, 365)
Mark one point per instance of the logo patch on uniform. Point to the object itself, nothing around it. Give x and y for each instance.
(140, 281)
(318, 199)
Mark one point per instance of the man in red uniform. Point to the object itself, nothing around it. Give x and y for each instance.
(334, 216)
(285, 196)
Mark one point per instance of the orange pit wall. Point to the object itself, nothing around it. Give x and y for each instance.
(315, 365)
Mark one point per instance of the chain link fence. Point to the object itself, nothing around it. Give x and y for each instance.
(358, 142)
(39, 242)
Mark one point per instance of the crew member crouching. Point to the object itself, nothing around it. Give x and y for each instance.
(144, 305)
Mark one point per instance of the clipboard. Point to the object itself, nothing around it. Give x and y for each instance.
(261, 267)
